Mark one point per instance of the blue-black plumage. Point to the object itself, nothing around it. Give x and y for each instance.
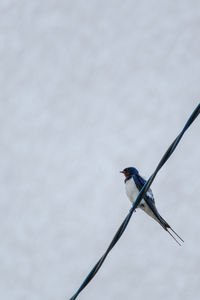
(133, 184)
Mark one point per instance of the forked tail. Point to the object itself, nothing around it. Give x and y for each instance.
(167, 227)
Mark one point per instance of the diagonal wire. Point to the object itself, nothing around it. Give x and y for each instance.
(123, 226)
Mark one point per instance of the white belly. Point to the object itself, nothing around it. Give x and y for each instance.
(132, 193)
(131, 189)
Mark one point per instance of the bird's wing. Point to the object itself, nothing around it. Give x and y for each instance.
(148, 197)
(140, 182)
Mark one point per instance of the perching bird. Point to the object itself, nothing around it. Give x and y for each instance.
(134, 183)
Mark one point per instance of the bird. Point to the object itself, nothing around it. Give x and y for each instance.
(133, 184)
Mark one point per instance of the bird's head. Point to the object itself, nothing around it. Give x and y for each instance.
(129, 171)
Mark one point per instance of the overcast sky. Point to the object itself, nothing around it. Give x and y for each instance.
(87, 89)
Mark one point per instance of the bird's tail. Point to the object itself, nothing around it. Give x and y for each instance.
(167, 227)
(155, 214)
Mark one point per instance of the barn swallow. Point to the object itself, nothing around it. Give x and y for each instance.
(133, 184)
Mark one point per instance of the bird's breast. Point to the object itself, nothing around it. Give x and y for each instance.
(131, 189)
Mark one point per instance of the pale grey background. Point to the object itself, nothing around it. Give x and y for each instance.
(88, 88)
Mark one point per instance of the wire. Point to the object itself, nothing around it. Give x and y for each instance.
(123, 226)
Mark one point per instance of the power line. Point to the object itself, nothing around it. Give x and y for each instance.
(123, 226)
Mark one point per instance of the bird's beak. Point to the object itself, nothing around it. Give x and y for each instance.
(122, 172)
